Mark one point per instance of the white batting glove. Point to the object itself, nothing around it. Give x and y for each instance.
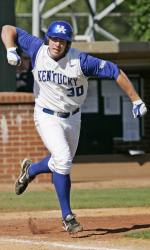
(13, 57)
(139, 108)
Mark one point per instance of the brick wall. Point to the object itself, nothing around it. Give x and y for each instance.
(18, 136)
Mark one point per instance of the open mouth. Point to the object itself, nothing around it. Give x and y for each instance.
(56, 50)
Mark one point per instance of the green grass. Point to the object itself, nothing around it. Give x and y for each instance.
(144, 234)
(117, 197)
(93, 198)
(28, 201)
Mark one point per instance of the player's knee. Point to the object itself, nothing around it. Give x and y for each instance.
(63, 170)
(63, 161)
(63, 167)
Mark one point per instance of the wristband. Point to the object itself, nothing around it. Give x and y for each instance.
(137, 102)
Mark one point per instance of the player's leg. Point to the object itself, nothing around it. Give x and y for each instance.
(62, 185)
(61, 161)
(72, 135)
(40, 167)
(69, 222)
(53, 133)
(29, 170)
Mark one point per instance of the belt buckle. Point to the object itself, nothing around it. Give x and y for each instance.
(63, 115)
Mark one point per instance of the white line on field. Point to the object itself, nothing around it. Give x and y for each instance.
(54, 244)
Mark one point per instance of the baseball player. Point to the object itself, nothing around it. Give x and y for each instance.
(60, 86)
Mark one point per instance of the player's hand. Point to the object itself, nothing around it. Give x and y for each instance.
(139, 108)
(12, 56)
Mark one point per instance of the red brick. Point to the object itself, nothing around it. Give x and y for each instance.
(19, 143)
(41, 147)
(27, 149)
(29, 127)
(12, 160)
(5, 155)
(7, 144)
(36, 143)
(23, 154)
(13, 149)
(13, 138)
(10, 117)
(35, 154)
(5, 176)
(31, 122)
(5, 166)
(13, 171)
(33, 132)
(28, 138)
(17, 111)
(22, 132)
(13, 128)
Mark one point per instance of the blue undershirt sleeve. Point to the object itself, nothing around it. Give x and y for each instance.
(92, 66)
(29, 44)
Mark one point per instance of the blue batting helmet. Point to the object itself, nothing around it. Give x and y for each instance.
(60, 29)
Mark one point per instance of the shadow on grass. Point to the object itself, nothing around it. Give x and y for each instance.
(105, 231)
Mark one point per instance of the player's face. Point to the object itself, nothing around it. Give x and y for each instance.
(57, 47)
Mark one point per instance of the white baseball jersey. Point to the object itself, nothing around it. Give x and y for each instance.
(59, 86)
(62, 85)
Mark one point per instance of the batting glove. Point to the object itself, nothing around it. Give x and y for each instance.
(139, 108)
(13, 57)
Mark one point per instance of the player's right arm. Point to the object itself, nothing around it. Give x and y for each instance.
(28, 43)
(8, 35)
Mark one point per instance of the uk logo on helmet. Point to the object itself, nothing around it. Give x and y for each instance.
(61, 29)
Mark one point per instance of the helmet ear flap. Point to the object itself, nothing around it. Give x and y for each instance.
(46, 40)
(68, 45)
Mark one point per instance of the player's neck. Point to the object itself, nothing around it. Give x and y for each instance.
(57, 59)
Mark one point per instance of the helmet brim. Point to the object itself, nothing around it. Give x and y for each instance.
(50, 34)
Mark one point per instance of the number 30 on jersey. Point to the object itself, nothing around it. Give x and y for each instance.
(78, 91)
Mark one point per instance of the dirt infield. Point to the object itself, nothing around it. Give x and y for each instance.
(102, 228)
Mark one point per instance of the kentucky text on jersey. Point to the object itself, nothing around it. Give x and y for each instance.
(49, 75)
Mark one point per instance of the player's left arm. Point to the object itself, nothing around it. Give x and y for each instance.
(139, 107)
(92, 66)
(127, 86)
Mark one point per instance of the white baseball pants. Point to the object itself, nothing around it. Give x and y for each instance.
(60, 136)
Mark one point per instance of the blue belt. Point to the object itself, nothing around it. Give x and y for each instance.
(61, 115)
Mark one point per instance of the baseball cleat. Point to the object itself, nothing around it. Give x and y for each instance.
(70, 224)
(24, 179)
